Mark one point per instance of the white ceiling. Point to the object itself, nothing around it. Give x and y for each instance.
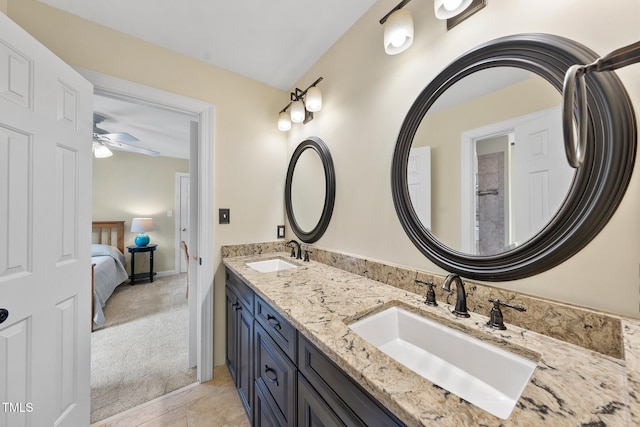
(272, 41)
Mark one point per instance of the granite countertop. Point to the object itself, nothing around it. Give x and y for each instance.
(571, 386)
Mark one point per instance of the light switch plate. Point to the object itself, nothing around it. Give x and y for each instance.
(223, 216)
(281, 232)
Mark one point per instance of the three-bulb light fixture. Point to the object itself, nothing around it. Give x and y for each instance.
(302, 106)
(398, 23)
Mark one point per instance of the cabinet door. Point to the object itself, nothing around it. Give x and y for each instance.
(231, 341)
(312, 410)
(244, 356)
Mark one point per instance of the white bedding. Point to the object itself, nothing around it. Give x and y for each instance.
(109, 272)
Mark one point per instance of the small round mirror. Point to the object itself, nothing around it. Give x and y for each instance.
(310, 189)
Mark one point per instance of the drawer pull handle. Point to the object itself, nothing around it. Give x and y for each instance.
(271, 375)
(273, 321)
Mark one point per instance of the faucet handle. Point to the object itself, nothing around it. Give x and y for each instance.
(496, 320)
(431, 294)
(306, 254)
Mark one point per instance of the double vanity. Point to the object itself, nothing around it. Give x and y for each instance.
(341, 340)
(319, 347)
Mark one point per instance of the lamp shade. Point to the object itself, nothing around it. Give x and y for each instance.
(313, 100)
(141, 225)
(100, 151)
(445, 9)
(297, 112)
(398, 32)
(284, 121)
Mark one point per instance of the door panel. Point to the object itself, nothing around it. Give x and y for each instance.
(45, 266)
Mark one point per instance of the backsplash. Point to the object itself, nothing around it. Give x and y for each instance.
(587, 328)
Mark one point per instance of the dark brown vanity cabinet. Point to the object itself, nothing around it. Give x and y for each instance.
(282, 378)
(239, 338)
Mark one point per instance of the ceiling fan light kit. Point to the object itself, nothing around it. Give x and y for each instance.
(103, 141)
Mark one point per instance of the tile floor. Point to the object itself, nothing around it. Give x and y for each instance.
(212, 404)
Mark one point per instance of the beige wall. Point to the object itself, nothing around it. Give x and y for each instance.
(129, 185)
(367, 94)
(249, 152)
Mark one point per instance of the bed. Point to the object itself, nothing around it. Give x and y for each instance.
(107, 259)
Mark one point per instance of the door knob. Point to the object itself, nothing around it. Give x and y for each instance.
(4, 313)
(184, 229)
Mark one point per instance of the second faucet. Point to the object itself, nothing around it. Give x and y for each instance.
(460, 309)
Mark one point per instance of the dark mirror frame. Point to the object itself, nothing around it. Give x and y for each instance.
(318, 145)
(599, 184)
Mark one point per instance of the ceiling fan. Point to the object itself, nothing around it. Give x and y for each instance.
(103, 141)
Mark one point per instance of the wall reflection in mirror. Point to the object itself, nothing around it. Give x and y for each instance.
(308, 190)
(498, 170)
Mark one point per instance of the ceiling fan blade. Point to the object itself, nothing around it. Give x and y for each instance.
(117, 145)
(120, 136)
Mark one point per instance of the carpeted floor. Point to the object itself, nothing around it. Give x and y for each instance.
(141, 351)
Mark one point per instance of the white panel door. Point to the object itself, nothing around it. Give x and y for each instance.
(419, 183)
(538, 159)
(45, 226)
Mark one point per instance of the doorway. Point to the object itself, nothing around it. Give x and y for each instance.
(201, 269)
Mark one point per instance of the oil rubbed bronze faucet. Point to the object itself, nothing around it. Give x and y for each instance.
(297, 254)
(460, 309)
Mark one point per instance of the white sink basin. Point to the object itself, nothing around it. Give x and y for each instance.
(271, 265)
(478, 372)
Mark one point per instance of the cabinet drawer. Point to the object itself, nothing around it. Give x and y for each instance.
(242, 290)
(275, 373)
(352, 404)
(282, 332)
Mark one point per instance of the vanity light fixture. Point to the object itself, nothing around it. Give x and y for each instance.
(302, 106)
(398, 29)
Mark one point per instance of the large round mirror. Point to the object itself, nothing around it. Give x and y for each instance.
(310, 189)
(480, 180)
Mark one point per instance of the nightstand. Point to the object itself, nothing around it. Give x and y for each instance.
(133, 250)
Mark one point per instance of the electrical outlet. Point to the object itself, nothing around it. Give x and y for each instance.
(224, 216)
(281, 232)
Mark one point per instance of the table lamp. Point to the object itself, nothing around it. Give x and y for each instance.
(141, 225)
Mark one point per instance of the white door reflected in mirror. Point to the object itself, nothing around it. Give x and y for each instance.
(499, 173)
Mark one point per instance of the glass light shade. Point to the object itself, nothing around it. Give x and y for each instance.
(100, 151)
(284, 121)
(297, 112)
(446, 9)
(313, 100)
(398, 32)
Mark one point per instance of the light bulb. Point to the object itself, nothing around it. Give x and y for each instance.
(398, 32)
(445, 9)
(297, 112)
(284, 122)
(313, 100)
(451, 4)
(101, 151)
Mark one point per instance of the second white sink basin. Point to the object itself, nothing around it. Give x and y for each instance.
(480, 373)
(271, 265)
